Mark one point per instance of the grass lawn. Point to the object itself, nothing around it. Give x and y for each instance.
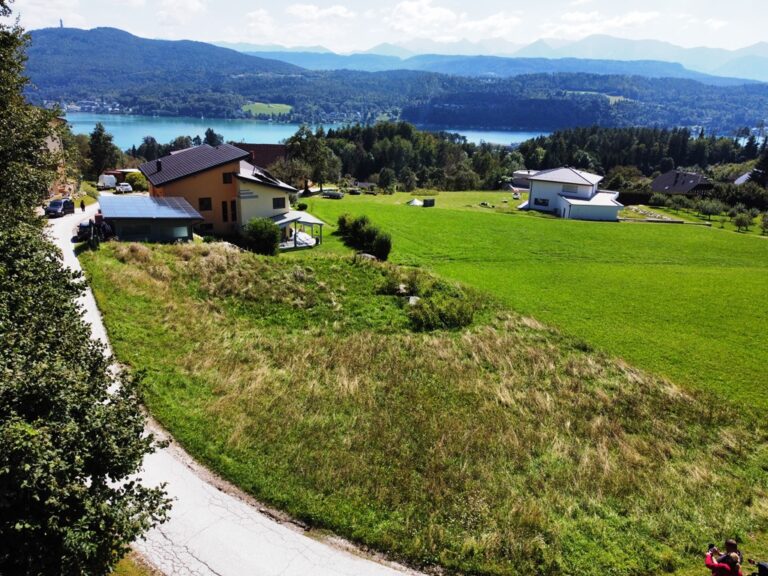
(132, 566)
(502, 448)
(257, 108)
(718, 222)
(685, 302)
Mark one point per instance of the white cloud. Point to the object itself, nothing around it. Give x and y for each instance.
(580, 2)
(425, 19)
(574, 25)
(46, 13)
(313, 12)
(715, 24)
(180, 12)
(259, 23)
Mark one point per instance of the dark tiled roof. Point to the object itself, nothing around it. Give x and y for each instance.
(264, 154)
(147, 207)
(679, 182)
(190, 161)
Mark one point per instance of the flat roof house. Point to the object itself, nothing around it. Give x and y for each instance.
(147, 219)
(572, 194)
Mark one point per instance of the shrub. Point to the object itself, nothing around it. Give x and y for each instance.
(343, 224)
(382, 245)
(302, 206)
(262, 236)
(736, 210)
(360, 234)
(710, 208)
(441, 313)
(764, 223)
(659, 200)
(137, 181)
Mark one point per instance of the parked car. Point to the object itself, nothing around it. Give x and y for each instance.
(333, 194)
(123, 187)
(59, 207)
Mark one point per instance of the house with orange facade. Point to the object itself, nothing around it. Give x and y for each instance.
(228, 192)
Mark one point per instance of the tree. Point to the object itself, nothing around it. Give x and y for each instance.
(408, 179)
(764, 223)
(760, 174)
(69, 440)
(212, 138)
(262, 236)
(312, 149)
(658, 199)
(742, 221)
(710, 208)
(387, 178)
(292, 171)
(137, 181)
(104, 154)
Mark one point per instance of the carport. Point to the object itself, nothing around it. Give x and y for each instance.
(148, 219)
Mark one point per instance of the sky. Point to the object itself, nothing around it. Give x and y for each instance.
(346, 26)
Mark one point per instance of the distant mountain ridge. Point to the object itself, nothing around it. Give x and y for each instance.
(750, 62)
(494, 66)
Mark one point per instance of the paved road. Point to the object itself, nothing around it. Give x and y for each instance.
(214, 529)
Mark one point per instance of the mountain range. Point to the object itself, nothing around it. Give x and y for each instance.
(750, 62)
(184, 78)
(494, 66)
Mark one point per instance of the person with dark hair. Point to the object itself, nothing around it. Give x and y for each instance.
(731, 547)
(722, 565)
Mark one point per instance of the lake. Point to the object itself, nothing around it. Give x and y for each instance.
(129, 130)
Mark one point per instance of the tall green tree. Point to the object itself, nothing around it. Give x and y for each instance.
(70, 441)
(212, 138)
(104, 154)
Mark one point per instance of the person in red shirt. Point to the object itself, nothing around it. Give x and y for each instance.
(728, 565)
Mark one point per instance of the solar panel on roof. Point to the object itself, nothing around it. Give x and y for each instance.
(147, 208)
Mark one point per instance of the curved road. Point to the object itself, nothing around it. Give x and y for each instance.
(214, 529)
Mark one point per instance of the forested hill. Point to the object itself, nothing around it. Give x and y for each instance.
(194, 79)
(62, 59)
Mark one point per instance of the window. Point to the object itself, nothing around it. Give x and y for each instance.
(541, 201)
(224, 211)
(234, 210)
(227, 177)
(278, 203)
(570, 189)
(204, 204)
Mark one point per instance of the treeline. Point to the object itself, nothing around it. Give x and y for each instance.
(648, 149)
(396, 154)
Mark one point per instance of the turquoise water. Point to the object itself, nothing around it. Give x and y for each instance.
(130, 130)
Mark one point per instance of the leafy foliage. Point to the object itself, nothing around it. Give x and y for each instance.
(68, 442)
(262, 236)
(360, 234)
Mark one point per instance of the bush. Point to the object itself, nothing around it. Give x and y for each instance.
(441, 313)
(301, 206)
(658, 200)
(137, 181)
(764, 223)
(382, 245)
(262, 236)
(360, 234)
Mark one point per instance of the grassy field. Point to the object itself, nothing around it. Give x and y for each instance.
(502, 448)
(257, 108)
(720, 222)
(685, 302)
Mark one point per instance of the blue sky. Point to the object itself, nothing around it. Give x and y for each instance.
(343, 25)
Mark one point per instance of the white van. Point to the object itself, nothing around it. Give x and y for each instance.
(106, 181)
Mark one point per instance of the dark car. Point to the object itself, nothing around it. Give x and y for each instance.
(333, 194)
(59, 207)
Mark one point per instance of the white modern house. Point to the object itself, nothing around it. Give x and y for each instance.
(571, 193)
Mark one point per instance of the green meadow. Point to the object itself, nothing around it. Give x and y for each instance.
(501, 448)
(686, 302)
(257, 108)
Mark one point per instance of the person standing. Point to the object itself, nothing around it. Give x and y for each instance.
(82, 205)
